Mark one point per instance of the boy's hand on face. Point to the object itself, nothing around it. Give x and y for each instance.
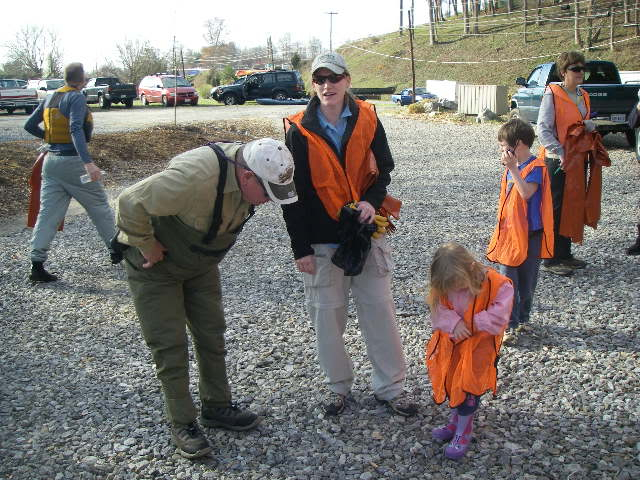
(509, 159)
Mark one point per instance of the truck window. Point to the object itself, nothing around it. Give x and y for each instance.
(601, 73)
(268, 78)
(534, 78)
(285, 77)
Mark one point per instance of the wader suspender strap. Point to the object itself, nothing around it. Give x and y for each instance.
(222, 181)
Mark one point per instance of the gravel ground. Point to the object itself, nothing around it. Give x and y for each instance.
(79, 400)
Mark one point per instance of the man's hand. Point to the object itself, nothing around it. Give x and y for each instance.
(306, 264)
(366, 212)
(154, 255)
(460, 332)
(93, 171)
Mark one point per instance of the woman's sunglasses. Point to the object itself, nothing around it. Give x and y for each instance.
(333, 78)
(577, 68)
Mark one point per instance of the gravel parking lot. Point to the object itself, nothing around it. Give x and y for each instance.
(79, 400)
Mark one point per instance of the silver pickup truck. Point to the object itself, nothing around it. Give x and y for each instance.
(14, 96)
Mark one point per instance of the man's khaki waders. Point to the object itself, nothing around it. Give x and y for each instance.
(184, 288)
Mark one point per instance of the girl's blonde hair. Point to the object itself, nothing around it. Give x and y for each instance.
(452, 268)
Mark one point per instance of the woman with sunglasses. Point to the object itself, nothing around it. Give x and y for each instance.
(562, 105)
(331, 142)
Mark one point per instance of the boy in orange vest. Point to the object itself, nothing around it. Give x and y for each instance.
(524, 230)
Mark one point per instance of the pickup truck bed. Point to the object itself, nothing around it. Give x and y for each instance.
(12, 99)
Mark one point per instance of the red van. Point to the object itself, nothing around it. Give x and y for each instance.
(162, 88)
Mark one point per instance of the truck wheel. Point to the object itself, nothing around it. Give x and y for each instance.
(144, 100)
(230, 99)
(631, 137)
(11, 110)
(280, 96)
(128, 103)
(103, 102)
(165, 102)
(28, 110)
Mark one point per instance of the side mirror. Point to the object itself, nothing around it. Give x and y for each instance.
(521, 81)
(44, 89)
(158, 86)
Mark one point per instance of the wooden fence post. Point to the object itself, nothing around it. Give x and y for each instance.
(611, 29)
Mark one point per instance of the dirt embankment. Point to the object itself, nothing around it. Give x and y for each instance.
(125, 156)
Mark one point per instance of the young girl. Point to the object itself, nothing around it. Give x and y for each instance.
(470, 309)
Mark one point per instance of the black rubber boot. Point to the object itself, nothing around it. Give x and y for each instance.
(39, 274)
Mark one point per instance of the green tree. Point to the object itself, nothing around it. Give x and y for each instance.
(213, 77)
(295, 61)
(227, 75)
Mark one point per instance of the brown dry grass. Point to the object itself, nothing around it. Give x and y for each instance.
(125, 156)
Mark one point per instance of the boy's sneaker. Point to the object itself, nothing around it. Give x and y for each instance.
(400, 405)
(558, 269)
(458, 447)
(508, 337)
(189, 440)
(231, 418)
(573, 263)
(334, 404)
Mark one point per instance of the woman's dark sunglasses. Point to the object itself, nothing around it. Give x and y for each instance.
(333, 78)
(577, 68)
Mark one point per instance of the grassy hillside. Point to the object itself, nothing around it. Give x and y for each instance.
(504, 42)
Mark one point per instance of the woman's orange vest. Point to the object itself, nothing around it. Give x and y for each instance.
(337, 185)
(510, 240)
(468, 366)
(566, 111)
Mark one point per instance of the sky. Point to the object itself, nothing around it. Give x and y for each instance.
(89, 30)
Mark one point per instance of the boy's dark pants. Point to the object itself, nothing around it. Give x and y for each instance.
(525, 279)
(168, 298)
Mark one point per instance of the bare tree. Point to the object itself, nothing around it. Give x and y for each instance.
(476, 14)
(465, 16)
(29, 50)
(576, 28)
(140, 59)
(432, 31)
(314, 47)
(214, 30)
(107, 69)
(284, 44)
(53, 62)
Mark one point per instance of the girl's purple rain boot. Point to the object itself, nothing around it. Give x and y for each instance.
(446, 432)
(460, 443)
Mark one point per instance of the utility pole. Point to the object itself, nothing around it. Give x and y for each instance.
(331, 14)
(413, 63)
(270, 49)
(400, 17)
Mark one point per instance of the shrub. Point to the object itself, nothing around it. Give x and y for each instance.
(204, 90)
(417, 107)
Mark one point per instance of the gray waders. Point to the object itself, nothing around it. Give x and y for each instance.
(184, 289)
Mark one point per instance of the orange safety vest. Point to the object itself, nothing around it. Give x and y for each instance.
(337, 185)
(468, 366)
(510, 240)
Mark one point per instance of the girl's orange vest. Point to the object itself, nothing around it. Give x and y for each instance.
(510, 240)
(468, 366)
(336, 186)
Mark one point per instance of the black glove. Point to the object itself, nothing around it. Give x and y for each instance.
(116, 249)
(355, 241)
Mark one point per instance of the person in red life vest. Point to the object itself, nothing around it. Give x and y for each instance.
(524, 230)
(470, 307)
(564, 105)
(333, 141)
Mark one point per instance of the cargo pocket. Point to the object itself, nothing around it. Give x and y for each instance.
(320, 288)
(381, 258)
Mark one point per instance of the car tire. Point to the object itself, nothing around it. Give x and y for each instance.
(165, 101)
(279, 95)
(28, 110)
(102, 103)
(128, 103)
(194, 104)
(230, 99)
(144, 100)
(631, 137)
(11, 110)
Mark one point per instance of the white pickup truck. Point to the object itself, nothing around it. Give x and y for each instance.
(13, 96)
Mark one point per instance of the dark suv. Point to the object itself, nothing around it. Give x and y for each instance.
(276, 84)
